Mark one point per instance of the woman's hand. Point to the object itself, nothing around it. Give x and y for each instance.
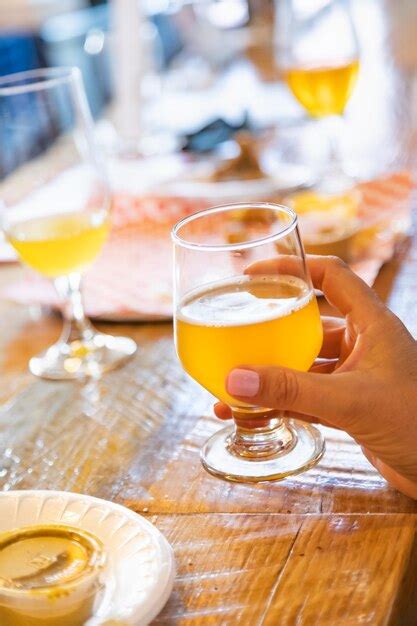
(367, 385)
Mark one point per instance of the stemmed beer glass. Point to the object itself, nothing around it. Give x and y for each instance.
(317, 51)
(54, 207)
(230, 311)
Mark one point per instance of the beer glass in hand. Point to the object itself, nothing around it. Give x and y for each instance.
(227, 315)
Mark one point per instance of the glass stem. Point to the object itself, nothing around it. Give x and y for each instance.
(261, 438)
(76, 325)
(334, 125)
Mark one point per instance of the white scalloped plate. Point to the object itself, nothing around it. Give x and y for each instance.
(140, 572)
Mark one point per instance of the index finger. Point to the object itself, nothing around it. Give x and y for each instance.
(342, 287)
(334, 329)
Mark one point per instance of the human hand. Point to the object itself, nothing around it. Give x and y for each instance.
(368, 384)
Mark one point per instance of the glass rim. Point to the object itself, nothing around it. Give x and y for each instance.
(42, 78)
(234, 246)
(287, 64)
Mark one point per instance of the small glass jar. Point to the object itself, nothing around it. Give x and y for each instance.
(328, 222)
(49, 575)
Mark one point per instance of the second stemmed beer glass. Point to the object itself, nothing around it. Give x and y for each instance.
(54, 208)
(317, 51)
(230, 313)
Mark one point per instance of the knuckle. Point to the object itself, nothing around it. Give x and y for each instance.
(336, 262)
(281, 388)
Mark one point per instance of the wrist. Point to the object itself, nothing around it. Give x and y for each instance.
(407, 486)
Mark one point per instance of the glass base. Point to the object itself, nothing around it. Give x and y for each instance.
(221, 456)
(79, 359)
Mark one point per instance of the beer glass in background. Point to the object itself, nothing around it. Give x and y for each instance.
(318, 52)
(54, 208)
(227, 315)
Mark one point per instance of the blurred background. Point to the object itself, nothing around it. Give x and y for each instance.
(166, 75)
(311, 103)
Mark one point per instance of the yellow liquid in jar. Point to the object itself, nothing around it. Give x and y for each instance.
(323, 90)
(252, 321)
(48, 576)
(57, 245)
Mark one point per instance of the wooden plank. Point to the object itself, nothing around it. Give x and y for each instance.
(265, 570)
(405, 603)
(348, 570)
(226, 566)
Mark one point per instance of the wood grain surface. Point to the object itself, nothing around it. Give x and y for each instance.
(284, 570)
(334, 546)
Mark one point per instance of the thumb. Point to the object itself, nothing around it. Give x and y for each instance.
(329, 397)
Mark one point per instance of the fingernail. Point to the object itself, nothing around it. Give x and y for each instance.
(243, 383)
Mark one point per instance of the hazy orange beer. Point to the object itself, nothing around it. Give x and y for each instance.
(56, 245)
(323, 90)
(250, 320)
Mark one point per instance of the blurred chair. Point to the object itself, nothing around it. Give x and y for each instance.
(79, 38)
(18, 52)
(82, 38)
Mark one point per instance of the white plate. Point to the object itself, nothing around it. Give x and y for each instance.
(140, 572)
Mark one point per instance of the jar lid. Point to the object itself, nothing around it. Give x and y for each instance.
(47, 559)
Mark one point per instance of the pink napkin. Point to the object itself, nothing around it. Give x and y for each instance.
(132, 278)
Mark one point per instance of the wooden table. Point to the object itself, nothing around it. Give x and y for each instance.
(333, 546)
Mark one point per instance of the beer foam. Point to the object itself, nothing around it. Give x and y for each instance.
(245, 300)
